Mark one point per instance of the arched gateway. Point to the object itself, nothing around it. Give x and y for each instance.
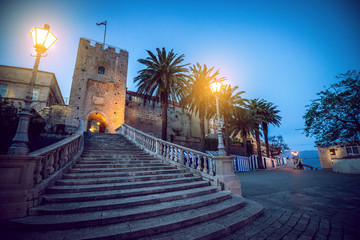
(96, 122)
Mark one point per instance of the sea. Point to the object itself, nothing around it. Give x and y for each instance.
(309, 157)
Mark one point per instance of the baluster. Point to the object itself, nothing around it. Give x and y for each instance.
(45, 167)
(176, 155)
(206, 165)
(51, 163)
(37, 171)
(197, 167)
(166, 151)
(211, 167)
(192, 162)
(182, 159)
(57, 164)
(172, 153)
(202, 163)
(163, 153)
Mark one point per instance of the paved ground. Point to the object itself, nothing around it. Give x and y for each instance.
(302, 205)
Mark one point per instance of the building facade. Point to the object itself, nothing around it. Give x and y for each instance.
(99, 86)
(14, 84)
(328, 154)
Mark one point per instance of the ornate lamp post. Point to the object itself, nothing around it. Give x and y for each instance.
(215, 88)
(43, 39)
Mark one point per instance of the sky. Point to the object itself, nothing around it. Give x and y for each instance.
(281, 51)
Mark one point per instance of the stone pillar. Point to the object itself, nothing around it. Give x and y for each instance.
(225, 174)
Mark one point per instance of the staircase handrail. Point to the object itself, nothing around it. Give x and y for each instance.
(29, 176)
(198, 162)
(55, 156)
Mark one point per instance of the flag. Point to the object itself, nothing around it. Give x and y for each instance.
(102, 23)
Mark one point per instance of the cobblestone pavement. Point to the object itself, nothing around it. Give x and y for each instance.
(302, 205)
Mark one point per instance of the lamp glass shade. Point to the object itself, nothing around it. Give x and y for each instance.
(215, 86)
(43, 39)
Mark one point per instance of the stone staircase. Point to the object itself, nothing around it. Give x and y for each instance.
(118, 191)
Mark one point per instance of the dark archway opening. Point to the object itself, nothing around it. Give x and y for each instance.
(96, 123)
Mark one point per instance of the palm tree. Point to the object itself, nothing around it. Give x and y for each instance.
(256, 108)
(198, 97)
(245, 123)
(163, 76)
(269, 116)
(228, 102)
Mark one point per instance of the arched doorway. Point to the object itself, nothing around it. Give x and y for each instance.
(96, 123)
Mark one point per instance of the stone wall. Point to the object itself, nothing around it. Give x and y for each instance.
(146, 117)
(99, 84)
(349, 165)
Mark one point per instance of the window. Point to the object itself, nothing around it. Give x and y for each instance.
(35, 94)
(3, 88)
(355, 150)
(101, 70)
(332, 151)
(352, 150)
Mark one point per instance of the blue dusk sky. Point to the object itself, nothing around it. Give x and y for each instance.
(282, 51)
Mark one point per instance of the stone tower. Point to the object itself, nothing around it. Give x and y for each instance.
(99, 86)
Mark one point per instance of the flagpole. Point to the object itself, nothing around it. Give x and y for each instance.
(105, 32)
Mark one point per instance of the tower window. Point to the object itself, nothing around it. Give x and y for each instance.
(101, 70)
(35, 94)
(3, 88)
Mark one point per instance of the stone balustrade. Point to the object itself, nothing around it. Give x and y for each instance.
(55, 156)
(217, 169)
(24, 178)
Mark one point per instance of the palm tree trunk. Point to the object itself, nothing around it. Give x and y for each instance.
(164, 107)
(202, 129)
(266, 133)
(258, 146)
(244, 138)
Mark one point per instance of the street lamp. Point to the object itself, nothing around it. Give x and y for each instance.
(43, 39)
(215, 88)
(294, 153)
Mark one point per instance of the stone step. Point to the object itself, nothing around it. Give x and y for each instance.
(99, 195)
(123, 161)
(96, 172)
(135, 151)
(120, 164)
(73, 207)
(135, 178)
(118, 186)
(143, 226)
(123, 169)
(116, 153)
(216, 228)
(118, 191)
(117, 173)
(98, 218)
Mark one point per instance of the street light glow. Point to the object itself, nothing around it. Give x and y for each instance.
(43, 39)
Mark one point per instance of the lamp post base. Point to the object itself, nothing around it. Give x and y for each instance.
(21, 139)
(18, 149)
